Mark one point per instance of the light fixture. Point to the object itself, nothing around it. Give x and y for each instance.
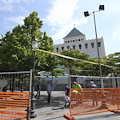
(101, 7)
(86, 13)
(34, 43)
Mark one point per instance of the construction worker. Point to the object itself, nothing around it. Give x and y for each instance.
(78, 90)
(94, 93)
(67, 98)
(78, 87)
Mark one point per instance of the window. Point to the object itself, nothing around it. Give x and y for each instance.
(86, 46)
(79, 39)
(56, 49)
(65, 41)
(73, 40)
(68, 41)
(62, 48)
(68, 47)
(80, 46)
(92, 45)
(99, 44)
(74, 47)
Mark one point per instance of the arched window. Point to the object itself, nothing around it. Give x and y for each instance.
(80, 46)
(99, 44)
(57, 49)
(68, 47)
(92, 45)
(86, 46)
(62, 48)
(73, 47)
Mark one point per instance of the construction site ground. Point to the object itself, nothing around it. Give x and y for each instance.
(56, 110)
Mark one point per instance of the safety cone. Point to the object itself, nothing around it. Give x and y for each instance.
(69, 117)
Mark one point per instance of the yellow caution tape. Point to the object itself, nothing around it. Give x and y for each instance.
(67, 57)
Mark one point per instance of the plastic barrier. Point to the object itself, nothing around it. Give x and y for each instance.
(13, 105)
(94, 100)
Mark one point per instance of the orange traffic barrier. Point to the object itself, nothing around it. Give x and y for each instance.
(94, 100)
(14, 105)
(69, 117)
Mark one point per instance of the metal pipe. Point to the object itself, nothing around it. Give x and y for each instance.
(100, 70)
(33, 115)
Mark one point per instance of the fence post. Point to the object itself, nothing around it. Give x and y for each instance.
(28, 112)
(22, 82)
(13, 83)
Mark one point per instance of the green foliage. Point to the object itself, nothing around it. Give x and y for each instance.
(110, 61)
(95, 67)
(74, 66)
(83, 68)
(15, 47)
(113, 60)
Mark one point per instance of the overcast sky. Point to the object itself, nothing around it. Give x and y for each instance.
(59, 17)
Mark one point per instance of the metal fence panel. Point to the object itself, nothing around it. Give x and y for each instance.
(94, 100)
(15, 101)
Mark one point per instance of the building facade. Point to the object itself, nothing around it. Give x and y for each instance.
(76, 40)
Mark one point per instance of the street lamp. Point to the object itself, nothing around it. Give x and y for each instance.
(34, 43)
(86, 13)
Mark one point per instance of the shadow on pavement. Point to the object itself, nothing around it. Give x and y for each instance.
(55, 118)
(55, 110)
(55, 102)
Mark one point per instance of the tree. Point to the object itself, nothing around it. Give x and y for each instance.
(110, 64)
(113, 60)
(15, 47)
(95, 67)
(73, 66)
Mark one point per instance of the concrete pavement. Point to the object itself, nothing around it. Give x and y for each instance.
(56, 109)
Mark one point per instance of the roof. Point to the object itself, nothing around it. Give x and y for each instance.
(74, 32)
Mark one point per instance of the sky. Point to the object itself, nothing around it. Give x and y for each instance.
(60, 16)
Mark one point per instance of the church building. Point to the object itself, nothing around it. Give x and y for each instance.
(77, 40)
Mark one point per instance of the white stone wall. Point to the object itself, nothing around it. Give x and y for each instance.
(77, 41)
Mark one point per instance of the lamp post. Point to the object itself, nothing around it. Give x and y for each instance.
(86, 13)
(117, 65)
(34, 43)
